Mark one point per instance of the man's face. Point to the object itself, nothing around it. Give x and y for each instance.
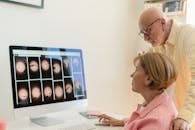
(152, 32)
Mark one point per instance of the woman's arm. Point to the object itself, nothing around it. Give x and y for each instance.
(110, 120)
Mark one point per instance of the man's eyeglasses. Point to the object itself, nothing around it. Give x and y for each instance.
(146, 31)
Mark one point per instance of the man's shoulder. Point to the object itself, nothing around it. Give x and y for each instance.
(187, 34)
(159, 49)
(188, 27)
(184, 27)
(168, 108)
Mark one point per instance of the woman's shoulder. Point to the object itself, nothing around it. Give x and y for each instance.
(165, 110)
(163, 107)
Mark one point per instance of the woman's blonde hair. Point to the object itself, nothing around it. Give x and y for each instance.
(159, 68)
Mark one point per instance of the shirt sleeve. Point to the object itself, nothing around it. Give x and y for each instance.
(187, 112)
(152, 124)
(125, 120)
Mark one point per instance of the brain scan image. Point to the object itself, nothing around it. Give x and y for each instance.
(78, 87)
(23, 94)
(66, 63)
(68, 88)
(48, 92)
(34, 66)
(45, 65)
(56, 68)
(67, 66)
(76, 64)
(36, 92)
(34, 71)
(59, 91)
(20, 67)
(77, 84)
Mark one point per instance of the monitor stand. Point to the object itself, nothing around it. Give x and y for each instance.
(45, 121)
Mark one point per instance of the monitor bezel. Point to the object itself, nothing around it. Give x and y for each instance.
(29, 48)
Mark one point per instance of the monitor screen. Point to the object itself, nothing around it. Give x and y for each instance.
(43, 76)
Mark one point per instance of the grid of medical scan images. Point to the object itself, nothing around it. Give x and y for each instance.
(46, 76)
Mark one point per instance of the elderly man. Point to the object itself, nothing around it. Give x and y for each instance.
(176, 40)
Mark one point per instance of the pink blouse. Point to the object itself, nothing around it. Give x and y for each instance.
(157, 115)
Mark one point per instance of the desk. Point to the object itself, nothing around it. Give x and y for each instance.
(26, 124)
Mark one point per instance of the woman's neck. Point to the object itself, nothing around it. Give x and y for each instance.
(150, 95)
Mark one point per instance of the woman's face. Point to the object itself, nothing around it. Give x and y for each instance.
(139, 78)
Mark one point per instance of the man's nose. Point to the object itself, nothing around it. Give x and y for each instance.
(131, 75)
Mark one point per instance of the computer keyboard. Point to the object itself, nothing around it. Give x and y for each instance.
(83, 126)
(45, 121)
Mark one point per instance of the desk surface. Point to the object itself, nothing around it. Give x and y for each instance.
(26, 124)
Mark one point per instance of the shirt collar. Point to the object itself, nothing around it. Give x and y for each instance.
(163, 97)
(174, 32)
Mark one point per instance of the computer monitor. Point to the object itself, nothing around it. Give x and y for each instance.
(46, 79)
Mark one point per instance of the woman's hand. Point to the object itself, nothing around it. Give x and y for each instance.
(110, 120)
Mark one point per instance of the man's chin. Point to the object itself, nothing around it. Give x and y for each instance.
(152, 43)
(155, 44)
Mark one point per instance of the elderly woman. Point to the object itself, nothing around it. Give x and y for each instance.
(153, 74)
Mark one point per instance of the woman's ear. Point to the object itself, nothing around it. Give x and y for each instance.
(148, 80)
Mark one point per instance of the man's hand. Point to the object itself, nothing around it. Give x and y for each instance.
(179, 124)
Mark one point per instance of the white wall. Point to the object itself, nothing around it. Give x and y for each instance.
(106, 30)
(190, 11)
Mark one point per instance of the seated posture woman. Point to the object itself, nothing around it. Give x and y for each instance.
(153, 74)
